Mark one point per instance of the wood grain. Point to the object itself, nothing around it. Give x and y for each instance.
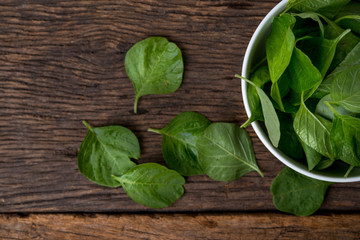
(179, 226)
(63, 61)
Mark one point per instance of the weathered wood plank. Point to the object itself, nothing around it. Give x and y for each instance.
(63, 61)
(179, 226)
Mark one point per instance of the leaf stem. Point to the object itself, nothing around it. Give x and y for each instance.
(87, 125)
(245, 79)
(331, 108)
(348, 171)
(357, 17)
(154, 130)
(136, 103)
(247, 123)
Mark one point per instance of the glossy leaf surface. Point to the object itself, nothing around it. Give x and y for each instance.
(154, 66)
(179, 142)
(226, 152)
(297, 194)
(106, 151)
(152, 185)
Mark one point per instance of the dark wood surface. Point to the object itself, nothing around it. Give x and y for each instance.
(179, 226)
(63, 61)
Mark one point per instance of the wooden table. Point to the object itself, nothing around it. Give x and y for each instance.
(63, 61)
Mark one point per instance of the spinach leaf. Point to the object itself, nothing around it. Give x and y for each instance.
(312, 157)
(279, 45)
(351, 59)
(297, 194)
(312, 131)
(106, 151)
(276, 96)
(321, 51)
(179, 142)
(271, 119)
(351, 22)
(345, 138)
(289, 142)
(323, 110)
(349, 17)
(152, 185)
(345, 45)
(226, 152)
(324, 163)
(345, 89)
(259, 78)
(154, 66)
(303, 74)
(279, 90)
(329, 8)
(314, 16)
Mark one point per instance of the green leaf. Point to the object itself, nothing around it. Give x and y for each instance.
(289, 142)
(345, 45)
(297, 194)
(303, 74)
(350, 22)
(345, 89)
(259, 78)
(154, 66)
(313, 16)
(345, 138)
(271, 119)
(349, 17)
(312, 131)
(351, 59)
(329, 8)
(276, 93)
(106, 151)
(226, 152)
(312, 157)
(280, 45)
(179, 142)
(152, 185)
(323, 110)
(324, 163)
(321, 51)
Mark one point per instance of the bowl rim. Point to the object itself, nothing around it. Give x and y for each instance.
(249, 54)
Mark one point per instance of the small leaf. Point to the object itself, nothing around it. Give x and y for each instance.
(313, 16)
(226, 152)
(303, 74)
(321, 51)
(271, 119)
(297, 194)
(259, 78)
(313, 158)
(154, 66)
(289, 142)
(344, 47)
(106, 151)
(152, 185)
(280, 45)
(312, 131)
(179, 142)
(276, 95)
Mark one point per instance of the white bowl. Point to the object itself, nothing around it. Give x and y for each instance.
(255, 52)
